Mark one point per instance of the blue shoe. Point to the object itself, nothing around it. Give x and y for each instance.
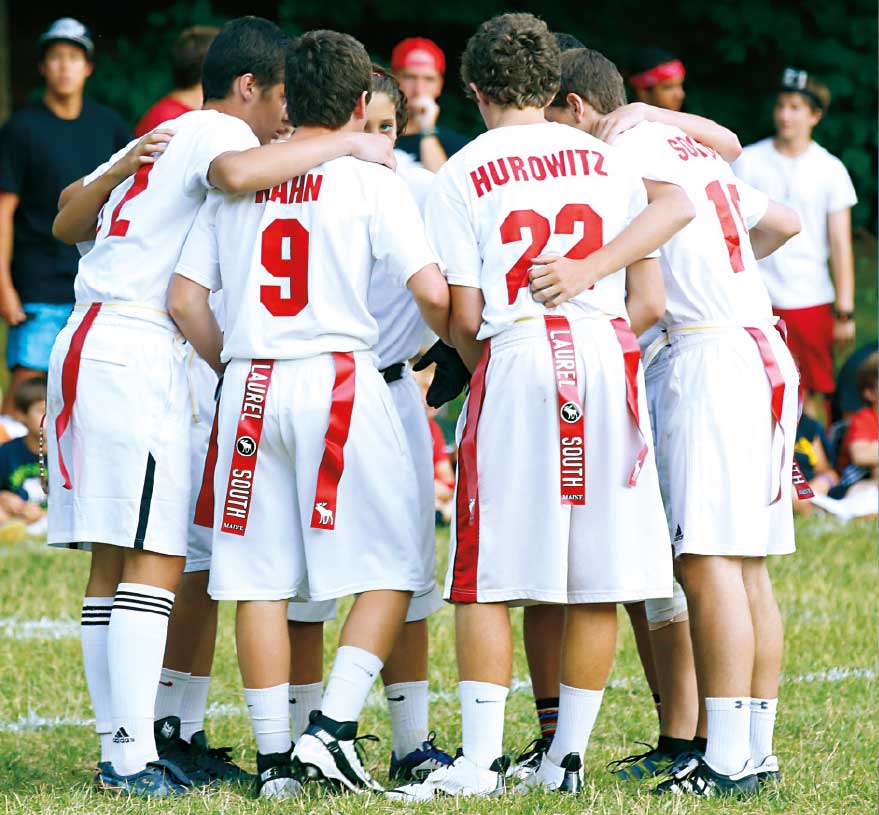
(650, 764)
(160, 779)
(420, 763)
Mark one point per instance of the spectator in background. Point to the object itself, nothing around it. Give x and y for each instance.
(43, 147)
(189, 54)
(812, 452)
(443, 472)
(657, 78)
(420, 66)
(860, 446)
(795, 170)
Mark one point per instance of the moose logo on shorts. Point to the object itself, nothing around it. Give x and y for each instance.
(570, 412)
(246, 446)
(326, 515)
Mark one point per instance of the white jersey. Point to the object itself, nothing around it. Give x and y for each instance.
(143, 225)
(709, 267)
(520, 191)
(295, 262)
(815, 184)
(400, 324)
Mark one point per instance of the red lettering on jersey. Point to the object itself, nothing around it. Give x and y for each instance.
(261, 197)
(518, 168)
(728, 225)
(291, 265)
(296, 186)
(312, 187)
(555, 164)
(675, 144)
(511, 232)
(119, 226)
(538, 171)
(599, 163)
(584, 161)
(481, 184)
(495, 168)
(570, 155)
(279, 193)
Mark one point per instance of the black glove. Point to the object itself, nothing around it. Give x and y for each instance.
(451, 375)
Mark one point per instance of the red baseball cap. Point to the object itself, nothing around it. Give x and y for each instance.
(418, 52)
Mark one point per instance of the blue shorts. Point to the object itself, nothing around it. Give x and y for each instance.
(29, 344)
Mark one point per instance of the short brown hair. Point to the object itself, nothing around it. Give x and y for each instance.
(189, 53)
(593, 77)
(29, 392)
(867, 374)
(326, 74)
(514, 61)
(383, 81)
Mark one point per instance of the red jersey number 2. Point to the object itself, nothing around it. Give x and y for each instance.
(285, 255)
(119, 226)
(565, 220)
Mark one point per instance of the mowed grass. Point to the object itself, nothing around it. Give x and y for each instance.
(827, 734)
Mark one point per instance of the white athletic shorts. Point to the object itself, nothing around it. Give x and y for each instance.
(202, 389)
(512, 537)
(721, 447)
(126, 445)
(413, 417)
(319, 500)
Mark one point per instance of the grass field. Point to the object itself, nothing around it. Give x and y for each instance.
(827, 735)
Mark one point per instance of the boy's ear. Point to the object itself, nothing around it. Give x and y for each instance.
(360, 107)
(245, 87)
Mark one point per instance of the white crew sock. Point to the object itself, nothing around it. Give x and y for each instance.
(135, 649)
(578, 710)
(762, 726)
(93, 633)
(729, 730)
(169, 696)
(353, 674)
(482, 721)
(407, 703)
(268, 716)
(195, 702)
(303, 699)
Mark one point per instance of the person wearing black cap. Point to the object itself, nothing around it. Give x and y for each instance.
(657, 78)
(43, 147)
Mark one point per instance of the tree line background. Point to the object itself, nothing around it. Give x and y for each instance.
(734, 51)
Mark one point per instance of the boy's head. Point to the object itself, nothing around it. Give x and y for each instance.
(657, 78)
(329, 80)
(30, 402)
(244, 71)
(867, 379)
(66, 52)
(591, 86)
(801, 102)
(512, 61)
(566, 41)
(420, 66)
(189, 54)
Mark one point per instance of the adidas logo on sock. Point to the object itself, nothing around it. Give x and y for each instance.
(121, 737)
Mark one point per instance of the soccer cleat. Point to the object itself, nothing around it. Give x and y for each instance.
(529, 759)
(276, 778)
(418, 764)
(171, 747)
(216, 761)
(565, 777)
(159, 779)
(462, 778)
(320, 755)
(768, 772)
(642, 765)
(696, 777)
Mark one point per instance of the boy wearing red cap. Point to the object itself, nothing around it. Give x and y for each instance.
(419, 65)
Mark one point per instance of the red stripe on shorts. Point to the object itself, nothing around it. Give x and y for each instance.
(239, 492)
(333, 462)
(631, 360)
(463, 589)
(572, 431)
(204, 506)
(69, 378)
(801, 485)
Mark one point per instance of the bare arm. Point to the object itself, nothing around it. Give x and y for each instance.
(431, 292)
(431, 153)
(839, 233)
(69, 191)
(864, 454)
(645, 294)
(465, 322)
(774, 229)
(188, 306)
(10, 304)
(703, 130)
(556, 280)
(263, 167)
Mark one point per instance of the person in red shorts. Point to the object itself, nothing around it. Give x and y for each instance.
(189, 54)
(797, 171)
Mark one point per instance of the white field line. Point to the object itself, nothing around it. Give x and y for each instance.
(34, 721)
(43, 629)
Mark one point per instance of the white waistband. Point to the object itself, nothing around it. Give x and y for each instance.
(132, 311)
(534, 327)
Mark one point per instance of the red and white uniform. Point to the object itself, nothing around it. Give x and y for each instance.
(536, 519)
(726, 493)
(314, 491)
(118, 390)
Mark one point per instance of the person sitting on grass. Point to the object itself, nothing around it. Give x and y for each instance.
(859, 454)
(22, 500)
(813, 456)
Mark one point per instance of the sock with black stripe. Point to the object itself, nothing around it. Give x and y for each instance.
(93, 633)
(135, 650)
